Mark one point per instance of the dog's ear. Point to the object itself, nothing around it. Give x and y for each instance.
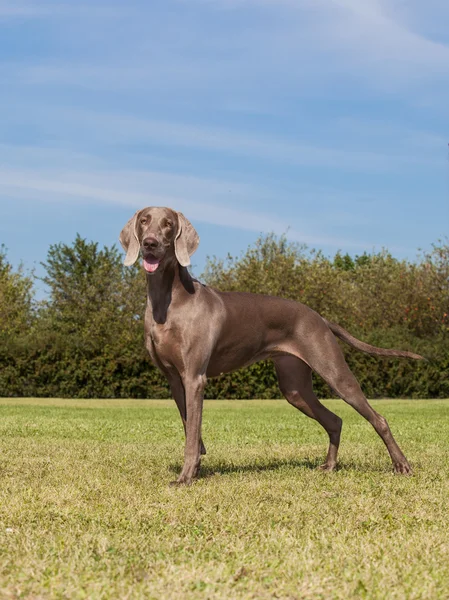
(186, 240)
(129, 241)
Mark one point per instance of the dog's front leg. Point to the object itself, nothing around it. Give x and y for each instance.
(177, 390)
(194, 392)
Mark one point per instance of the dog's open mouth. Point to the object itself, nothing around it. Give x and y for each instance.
(150, 264)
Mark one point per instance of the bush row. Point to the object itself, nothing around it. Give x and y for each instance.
(86, 339)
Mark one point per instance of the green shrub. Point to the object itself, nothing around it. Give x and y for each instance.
(86, 339)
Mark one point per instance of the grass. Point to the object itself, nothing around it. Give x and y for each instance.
(86, 510)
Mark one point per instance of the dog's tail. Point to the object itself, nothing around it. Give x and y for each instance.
(373, 350)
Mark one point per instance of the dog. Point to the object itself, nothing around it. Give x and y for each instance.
(193, 331)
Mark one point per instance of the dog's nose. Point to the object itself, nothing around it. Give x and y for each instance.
(150, 242)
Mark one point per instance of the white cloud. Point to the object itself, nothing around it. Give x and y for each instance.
(282, 48)
(303, 70)
(199, 199)
(390, 39)
(22, 9)
(12, 9)
(121, 129)
(100, 77)
(369, 39)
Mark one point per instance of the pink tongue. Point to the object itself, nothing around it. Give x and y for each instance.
(150, 264)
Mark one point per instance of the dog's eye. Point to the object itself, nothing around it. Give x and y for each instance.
(169, 224)
(143, 221)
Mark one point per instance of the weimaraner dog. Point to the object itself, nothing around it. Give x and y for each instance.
(193, 332)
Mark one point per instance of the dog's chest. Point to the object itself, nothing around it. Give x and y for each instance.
(160, 336)
(162, 343)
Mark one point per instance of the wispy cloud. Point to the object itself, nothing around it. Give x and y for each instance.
(101, 76)
(281, 111)
(371, 39)
(122, 129)
(385, 37)
(14, 9)
(138, 189)
(367, 42)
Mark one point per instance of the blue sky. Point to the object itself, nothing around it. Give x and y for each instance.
(325, 119)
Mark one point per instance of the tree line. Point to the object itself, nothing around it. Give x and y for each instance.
(85, 340)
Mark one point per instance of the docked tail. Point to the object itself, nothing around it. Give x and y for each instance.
(355, 343)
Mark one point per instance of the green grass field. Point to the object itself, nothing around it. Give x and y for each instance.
(86, 510)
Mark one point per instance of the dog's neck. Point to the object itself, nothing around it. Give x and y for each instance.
(165, 286)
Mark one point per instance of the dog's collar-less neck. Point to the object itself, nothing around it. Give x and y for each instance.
(165, 285)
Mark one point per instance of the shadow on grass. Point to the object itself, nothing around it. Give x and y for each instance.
(222, 468)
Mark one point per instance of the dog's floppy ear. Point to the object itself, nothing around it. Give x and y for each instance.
(186, 240)
(129, 241)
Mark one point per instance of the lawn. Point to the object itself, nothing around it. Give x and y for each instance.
(86, 510)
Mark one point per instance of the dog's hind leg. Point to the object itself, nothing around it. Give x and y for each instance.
(326, 358)
(295, 382)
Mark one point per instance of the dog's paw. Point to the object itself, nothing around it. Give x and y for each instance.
(327, 467)
(181, 482)
(402, 468)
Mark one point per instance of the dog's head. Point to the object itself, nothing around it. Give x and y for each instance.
(162, 235)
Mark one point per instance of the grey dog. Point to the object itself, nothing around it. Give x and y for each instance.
(193, 332)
